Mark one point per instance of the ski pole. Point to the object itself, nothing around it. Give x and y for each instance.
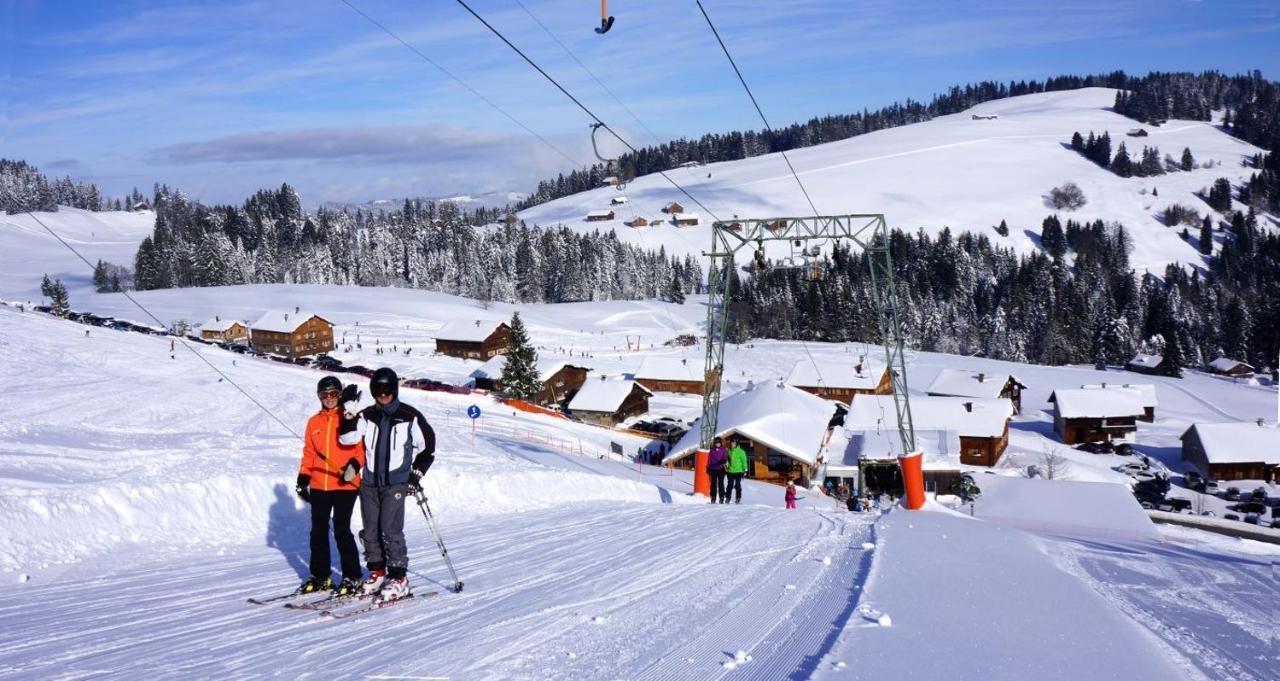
(435, 532)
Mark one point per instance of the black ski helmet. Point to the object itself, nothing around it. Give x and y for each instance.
(385, 379)
(328, 383)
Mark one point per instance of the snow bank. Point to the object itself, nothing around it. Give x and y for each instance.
(1064, 507)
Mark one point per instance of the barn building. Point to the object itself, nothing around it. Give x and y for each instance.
(981, 425)
(1223, 366)
(559, 378)
(608, 403)
(1087, 415)
(224, 330)
(600, 216)
(1144, 364)
(478, 339)
(961, 383)
(841, 381)
(672, 375)
(1233, 451)
(295, 334)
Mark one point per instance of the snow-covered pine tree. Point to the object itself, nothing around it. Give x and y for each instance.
(520, 373)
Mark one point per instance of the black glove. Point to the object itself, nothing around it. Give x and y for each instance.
(304, 488)
(415, 481)
(351, 470)
(350, 400)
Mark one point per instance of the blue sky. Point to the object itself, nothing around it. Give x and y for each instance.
(221, 98)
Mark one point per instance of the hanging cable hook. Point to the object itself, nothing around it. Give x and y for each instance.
(611, 164)
(606, 21)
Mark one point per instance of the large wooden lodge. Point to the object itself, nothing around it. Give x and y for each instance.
(478, 339)
(295, 334)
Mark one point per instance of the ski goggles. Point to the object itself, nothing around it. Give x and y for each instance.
(328, 394)
(380, 390)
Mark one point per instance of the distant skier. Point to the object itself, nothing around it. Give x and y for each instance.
(737, 468)
(717, 459)
(329, 480)
(399, 448)
(790, 495)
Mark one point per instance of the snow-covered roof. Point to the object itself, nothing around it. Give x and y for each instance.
(1238, 442)
(781, 417)
(618, 200)
(1225, 364)
(277, 321)
(600, 214)
(603, 396)
(492, 369)
(1077, 403)
(1148, 361)
(988, 417)
(469, 330)
(941, 447)
(220, 325)
(686, 216)
(1147, 390)
(963, 383)
(669, 369)
(839, 375)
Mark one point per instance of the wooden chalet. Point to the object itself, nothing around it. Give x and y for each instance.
(841, 381)
(1144, 364)
(673, 208)
(608, 403)
(672, 375)
(600, 216)
(1087, 415)
(224, 330)
(1137, 132)
(559, 378)
(617, 201)
(961, 383)
(637, 222)
(1147, 396)
(685, 219)
(981, 425)
(295, 334)
(783, 429)
(1223, 366)
(478, 339)
(1234, 451)
(868, 460)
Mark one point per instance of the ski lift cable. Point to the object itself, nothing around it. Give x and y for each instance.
(756, 104)
(185, 344)
(463, 83)
(578, 102)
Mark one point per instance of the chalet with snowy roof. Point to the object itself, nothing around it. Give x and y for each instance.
(671, 375)
(1234, 451)
(1230, 367)
(600, 216)
(637, 221)
(617, 201)
(473, 338)
(981, 425)
(1144, 364)
(1146, 391)
(610, 181)
(783, 429)
(222, 330)
(962, 383)
(1089, 415)
(841, 381)
(1137, 132)
(291, 334)
(673, 208)
(685, 219)
(608, 403)
(869, 459)
(559, 378)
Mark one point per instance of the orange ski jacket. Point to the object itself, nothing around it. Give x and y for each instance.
(323, 457)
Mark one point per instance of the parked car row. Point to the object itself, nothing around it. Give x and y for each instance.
(1106, 447)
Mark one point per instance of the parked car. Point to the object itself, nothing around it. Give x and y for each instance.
(1275, 524)
(669, 419)
(1091, 447)
(1210, 487)
(1209, 514)
(1230, 516)
(1146, 504)
(240, 348)
(327, 363)
(1253, 519)
(1232, 494)
(360, 370)
(1131, 468)
(1124, 449)
(1179, 504)
(1193, 480)
(1249, 507)
(1259, 494)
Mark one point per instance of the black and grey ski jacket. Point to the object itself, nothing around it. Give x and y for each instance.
(411, 444)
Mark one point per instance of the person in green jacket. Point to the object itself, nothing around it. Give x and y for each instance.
(736, 469)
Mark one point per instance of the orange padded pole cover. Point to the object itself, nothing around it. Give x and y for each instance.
(701, 480)
(913, 478)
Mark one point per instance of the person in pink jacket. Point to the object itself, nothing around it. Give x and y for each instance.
(791, 494)
(717, 459)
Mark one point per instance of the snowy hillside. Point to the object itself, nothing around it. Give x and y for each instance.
(27, 251)
(146, 500)
(952, 171)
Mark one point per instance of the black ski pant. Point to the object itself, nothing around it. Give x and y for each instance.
(735, 485)
(339, 505)
(718, 491)
(382, 510)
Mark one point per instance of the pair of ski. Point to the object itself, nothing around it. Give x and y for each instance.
(331, 606)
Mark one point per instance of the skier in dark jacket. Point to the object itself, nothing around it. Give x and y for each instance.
(717, 459)
(399, 448)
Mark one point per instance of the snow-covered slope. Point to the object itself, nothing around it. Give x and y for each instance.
(952, 171)
(27, 250)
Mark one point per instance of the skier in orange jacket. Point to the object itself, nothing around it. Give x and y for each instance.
(329, 480)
